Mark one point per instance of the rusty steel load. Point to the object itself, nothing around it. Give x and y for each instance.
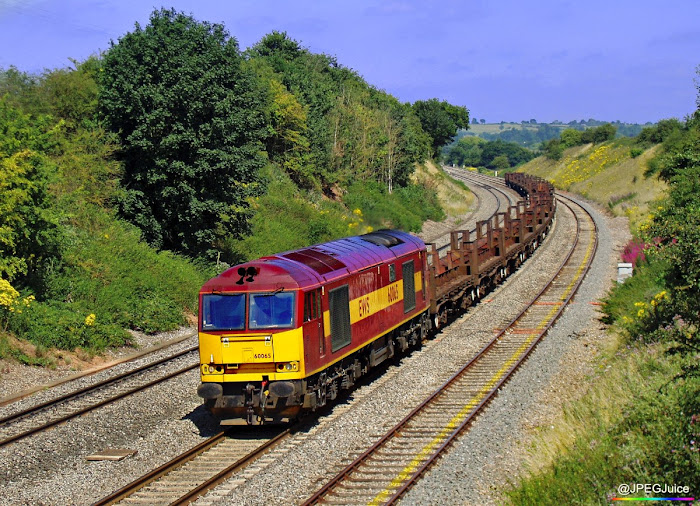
(283, 334)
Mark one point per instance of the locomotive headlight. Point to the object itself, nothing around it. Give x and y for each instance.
(211, 369)
(288, 367)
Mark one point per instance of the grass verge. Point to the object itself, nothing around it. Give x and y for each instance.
(638, 423)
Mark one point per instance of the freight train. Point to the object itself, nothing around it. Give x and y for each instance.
(284, 334)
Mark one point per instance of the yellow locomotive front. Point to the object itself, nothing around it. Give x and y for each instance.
(251, 343)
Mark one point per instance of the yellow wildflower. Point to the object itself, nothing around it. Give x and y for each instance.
(8, 295)
(90, 320)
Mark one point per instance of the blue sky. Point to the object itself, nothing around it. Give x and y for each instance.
(505, 60)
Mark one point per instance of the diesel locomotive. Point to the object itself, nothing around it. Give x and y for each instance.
(283, 334)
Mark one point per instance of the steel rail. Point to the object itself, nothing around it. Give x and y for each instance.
(190, 456)
(92, 407)
(236, 466)
(5, 401)
(85, 390)
(162, 470)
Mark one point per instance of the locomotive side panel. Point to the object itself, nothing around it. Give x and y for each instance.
(376, 304)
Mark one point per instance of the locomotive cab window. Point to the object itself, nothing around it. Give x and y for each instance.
(223, 312)
(271, 310)
(392, 273)
(312, 305)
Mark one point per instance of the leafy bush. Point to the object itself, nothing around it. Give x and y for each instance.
(406, 208)
(287, 218)
(108, 280)
(642, 287)
(27, 220)
(109, 271)
(634, 251)
(67, 326)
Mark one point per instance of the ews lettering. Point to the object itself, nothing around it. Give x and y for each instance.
(364, 307)
(393, 293)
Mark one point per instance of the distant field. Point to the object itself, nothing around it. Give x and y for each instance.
(494, 128)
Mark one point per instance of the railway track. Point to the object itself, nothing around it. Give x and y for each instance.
(194, 472)
(502, 203)
(198, 470)
(43, 416)
(383, 473)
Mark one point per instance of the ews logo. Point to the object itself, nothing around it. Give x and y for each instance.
(393, 293)
(363, 307)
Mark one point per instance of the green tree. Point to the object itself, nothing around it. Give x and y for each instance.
(467, 151)
(553, 149)
(500, 162)
(659, 132)
(571, 137)
(313, 80)
(71, 94)
(18, 88)
(440, 120)
(189, 116)
(354, 131)
(514, 154)
(604, 133)
(29, 230)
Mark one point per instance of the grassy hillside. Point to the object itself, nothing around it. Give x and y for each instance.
(606, 173)
(455, 198)
(635, 419)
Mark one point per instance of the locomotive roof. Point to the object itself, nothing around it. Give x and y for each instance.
(315, 265)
